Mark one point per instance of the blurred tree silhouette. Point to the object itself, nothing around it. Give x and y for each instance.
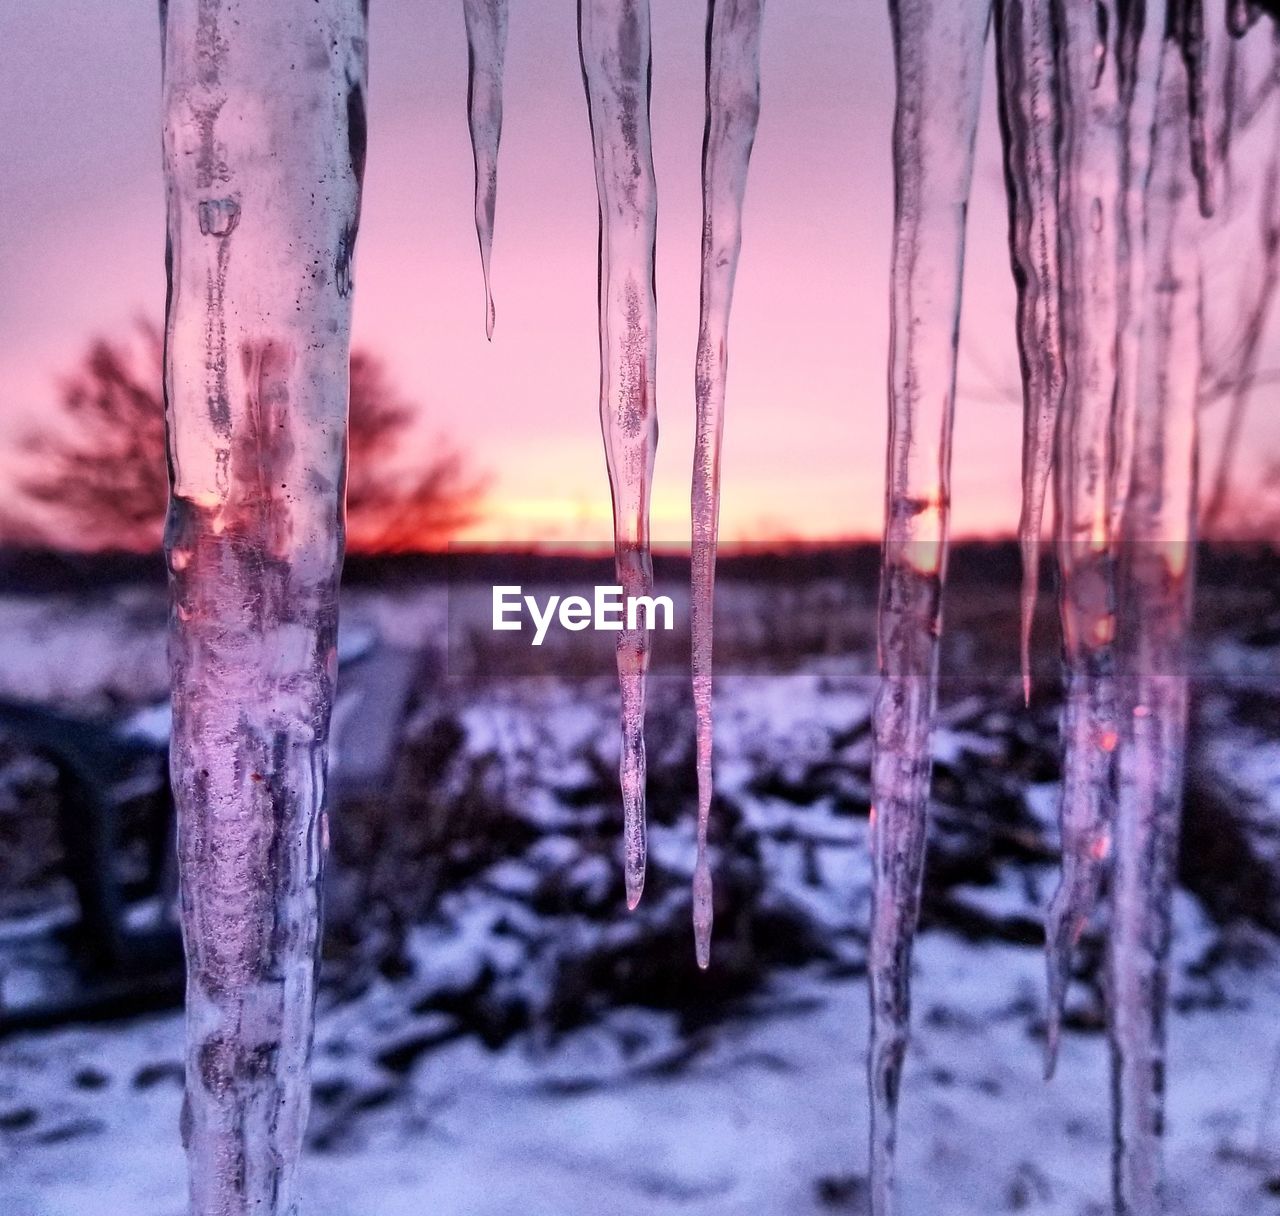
(95, 476)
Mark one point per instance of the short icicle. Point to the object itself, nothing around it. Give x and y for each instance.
(1198, 27)
(938, 54)
(1027, 72)
(486, 22)
(1156, 578)
(264, 146)
(1242, 15)
(733, 107)
(613, 37)
(1091, 201)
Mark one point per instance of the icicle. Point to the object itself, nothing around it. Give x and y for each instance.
(1091, 196)
(938, 53)
(1197, 34)
(1242, 15)
(1236, 379)
(1157, 561)
(1139, 54)
(733, 108)
(486, 53)
(264, 140)
(1029, 124)
(613, 37)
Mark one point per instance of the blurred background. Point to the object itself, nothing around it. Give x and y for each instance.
(495, 1032)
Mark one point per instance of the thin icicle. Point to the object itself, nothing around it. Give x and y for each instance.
(1197, 27)
(264, 140)
(1157, 570)
(613, 38)
(486, 54)
(1091, 199)
(733, 109)
(1139, 55)
(1236, 380)
(1242, 15)
(1027, 76)
(938, 54)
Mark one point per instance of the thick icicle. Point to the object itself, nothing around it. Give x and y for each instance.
(613, 38)
(1091, 200)
(938, 54)
(1157, 564)
(264, 140)
(1027, 74)
(486, 54)
(733, 108)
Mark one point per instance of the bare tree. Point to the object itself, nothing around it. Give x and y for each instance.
(94, 475)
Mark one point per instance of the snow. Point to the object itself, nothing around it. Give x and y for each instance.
(764, 1113)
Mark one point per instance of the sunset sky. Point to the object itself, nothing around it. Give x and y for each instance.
(84, 231)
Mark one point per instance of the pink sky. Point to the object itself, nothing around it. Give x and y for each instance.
(83, 244)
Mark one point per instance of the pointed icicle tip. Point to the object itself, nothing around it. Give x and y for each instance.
(1027, 613)
(703, 911)
(1052, 1040)
(635, 888)
(1053, 1019)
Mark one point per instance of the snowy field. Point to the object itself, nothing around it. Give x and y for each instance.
(516, 1043)
(767, 1117)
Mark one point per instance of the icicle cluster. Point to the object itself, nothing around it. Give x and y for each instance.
(614, 49)
(1117, 121)
(613, 37)
(264, 139)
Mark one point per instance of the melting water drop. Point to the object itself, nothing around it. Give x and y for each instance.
(486, 22)
(938, 54)
(733, 107)
(613, 38)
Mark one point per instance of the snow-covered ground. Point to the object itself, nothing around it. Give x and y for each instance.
(768, 1116)
(750, 1102)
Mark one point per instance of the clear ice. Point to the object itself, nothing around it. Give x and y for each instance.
(1139, 55)
(486, 22)
(1091, 197)
(1199, 27)
(613, 39)
(1027, 71)
(1157, 561)
(264, 144)
(938, 54)
(733, 109)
